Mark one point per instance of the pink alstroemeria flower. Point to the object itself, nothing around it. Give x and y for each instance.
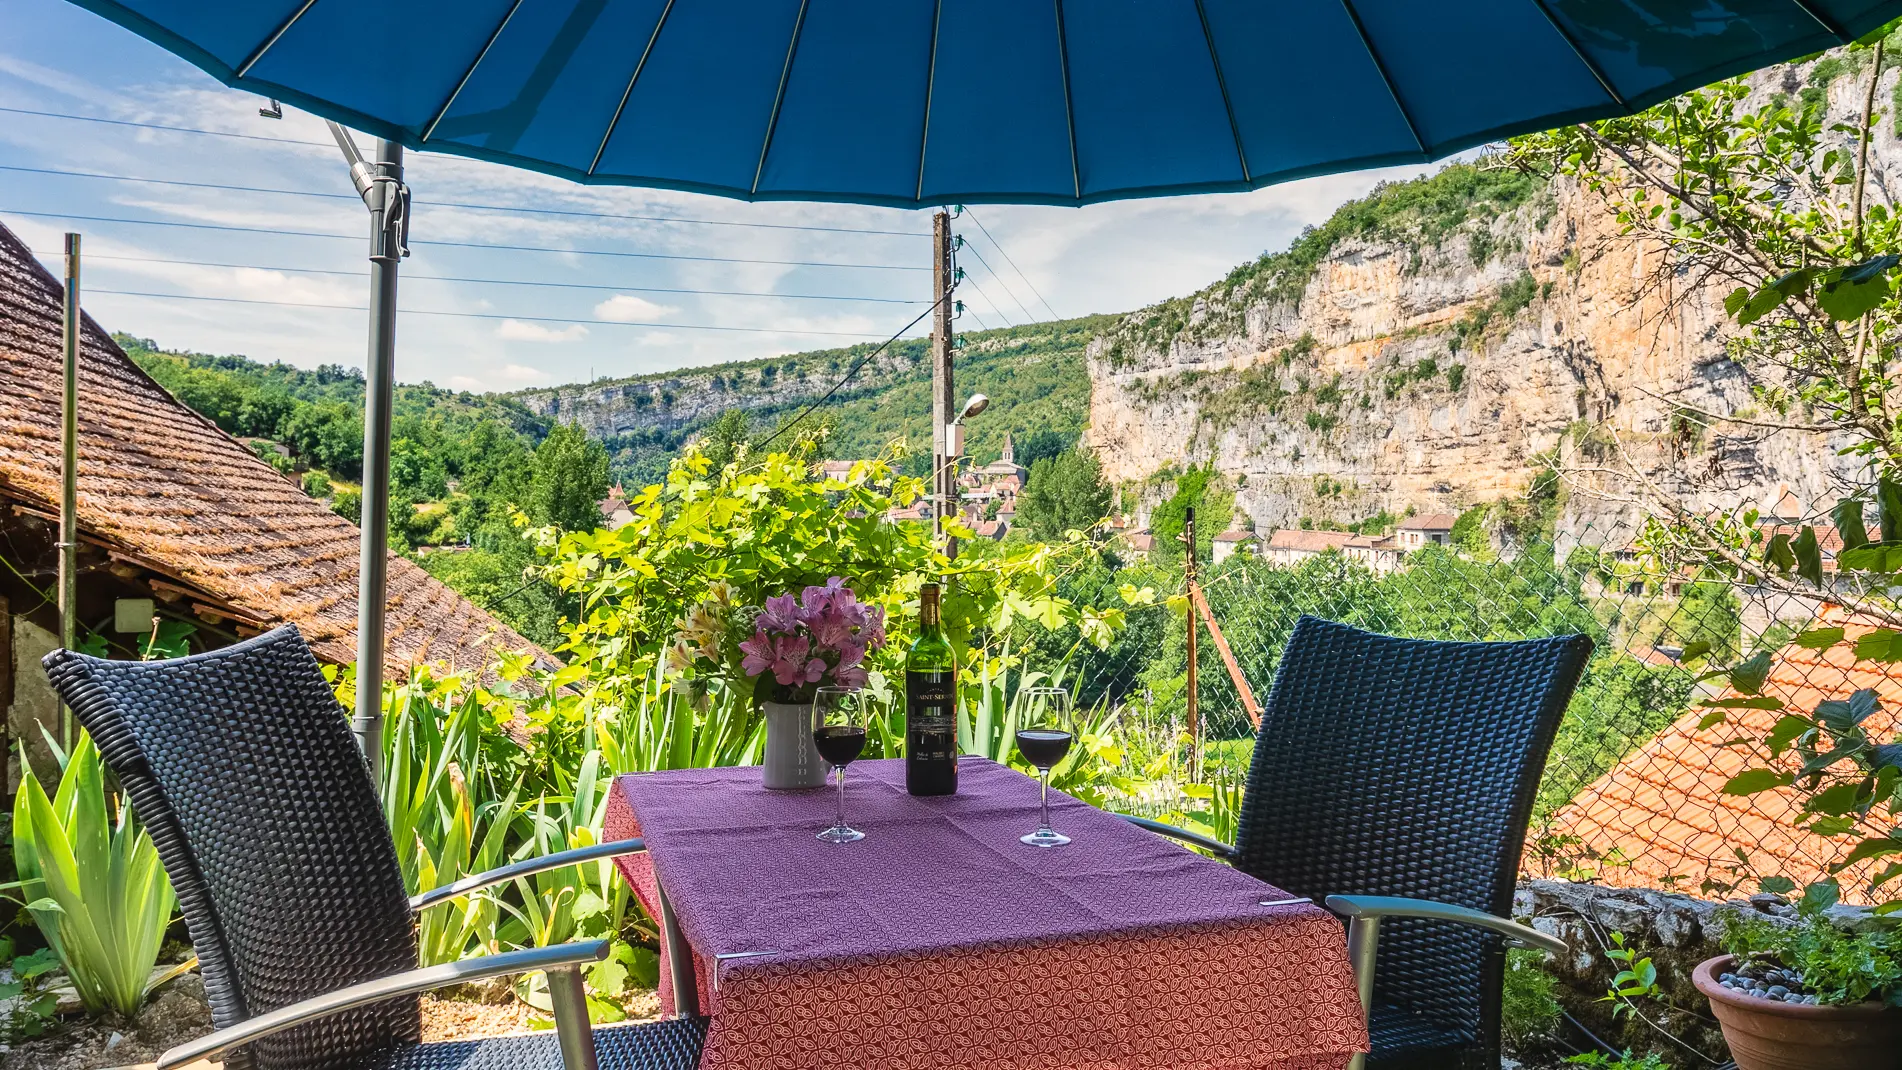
(791, 667)
(850, 676)
(759, 654)
(779, 616)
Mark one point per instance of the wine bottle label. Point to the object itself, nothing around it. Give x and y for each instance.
(930, 728)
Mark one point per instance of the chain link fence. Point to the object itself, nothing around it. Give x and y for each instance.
(1632, 792)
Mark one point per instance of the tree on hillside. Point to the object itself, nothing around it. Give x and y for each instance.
(1037, 445)
(1065, 492)
(727, 437)
(1202, 490)
(570, 478)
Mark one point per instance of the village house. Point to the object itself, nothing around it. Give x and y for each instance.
(1379, 553)
(1288, 547)
(183, 530)
(1230, 543)
(1418, 531)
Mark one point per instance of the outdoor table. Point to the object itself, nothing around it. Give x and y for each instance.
(940, 942)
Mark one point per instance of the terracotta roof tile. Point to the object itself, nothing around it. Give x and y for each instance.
(1309, 541)
(1663, 811)
(164, 486)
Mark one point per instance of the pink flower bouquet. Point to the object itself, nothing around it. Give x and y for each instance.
(822, 637)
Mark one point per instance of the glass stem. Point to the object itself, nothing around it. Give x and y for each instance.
(1045, 803)
(840, 823)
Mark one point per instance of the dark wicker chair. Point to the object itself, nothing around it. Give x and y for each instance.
(1394, 779)
(242, 765)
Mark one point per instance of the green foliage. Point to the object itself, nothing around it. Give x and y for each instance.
(1200, 489)
(1840, 967)
(31, 1006)
(1598, 1060)
(570, 479)
(1065, 492)
(92, 882)
(348, 504)
(316, 484)
(1529, 1005)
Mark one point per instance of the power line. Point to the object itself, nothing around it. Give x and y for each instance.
(407, 277)
(161, 126)
(481, 315)
(850, 372)
(620, 216)
(1013, 264)
(987, 300)
(464, 245)
(1028, 314)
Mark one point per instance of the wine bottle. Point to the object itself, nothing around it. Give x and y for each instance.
(931, 729)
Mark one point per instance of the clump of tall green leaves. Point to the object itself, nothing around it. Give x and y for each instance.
(449, 808)
(91, 879)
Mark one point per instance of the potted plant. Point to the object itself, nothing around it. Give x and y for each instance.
(1807, 994)
(796, 645)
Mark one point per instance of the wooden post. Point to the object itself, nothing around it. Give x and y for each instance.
(943, 405)
(1195, 720)
(69, 476)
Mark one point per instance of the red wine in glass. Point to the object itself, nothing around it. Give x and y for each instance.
(840, 745)
(838, 733)
(1042, 747)
(1044, 741)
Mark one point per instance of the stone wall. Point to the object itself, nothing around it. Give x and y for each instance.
(1676, 931)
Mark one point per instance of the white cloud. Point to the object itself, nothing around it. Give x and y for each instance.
(465, 382)
(626, 308)
(521, 373)
(519, 331)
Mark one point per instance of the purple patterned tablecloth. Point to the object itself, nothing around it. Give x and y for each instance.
(939, 941)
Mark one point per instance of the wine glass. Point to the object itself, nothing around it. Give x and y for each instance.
(838, 731)
(1043, 738)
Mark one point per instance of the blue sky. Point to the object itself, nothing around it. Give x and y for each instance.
(591, 315)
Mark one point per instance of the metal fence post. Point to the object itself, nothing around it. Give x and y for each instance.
(69, 475)
(1195, 720)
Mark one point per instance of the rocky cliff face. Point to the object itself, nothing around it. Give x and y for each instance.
(1431, 371)
(671, 401)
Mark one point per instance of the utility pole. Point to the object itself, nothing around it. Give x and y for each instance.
(380, 183)
(1195, 721)
(943, 479)
(69, 474)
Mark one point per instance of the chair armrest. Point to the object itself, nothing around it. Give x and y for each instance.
(1386, 906)
(475, 882)
(1221, 849)
(401, 984)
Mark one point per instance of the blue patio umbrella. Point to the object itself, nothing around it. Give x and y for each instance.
(909, 103)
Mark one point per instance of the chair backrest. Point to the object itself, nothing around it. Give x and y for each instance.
(1408, 767)
(242, 765)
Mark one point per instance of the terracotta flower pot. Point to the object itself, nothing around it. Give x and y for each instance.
(1766, 1035)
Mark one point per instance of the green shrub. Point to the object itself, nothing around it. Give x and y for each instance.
(93, 884)
(316, 484)
(1839, 967)
(1529, 1006)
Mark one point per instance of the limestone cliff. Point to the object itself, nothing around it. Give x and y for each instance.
(1427, 358)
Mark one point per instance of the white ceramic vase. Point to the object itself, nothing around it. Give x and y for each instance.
(791, 762)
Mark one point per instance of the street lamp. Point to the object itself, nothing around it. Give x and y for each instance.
(948, 478)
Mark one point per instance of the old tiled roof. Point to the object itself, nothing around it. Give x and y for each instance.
(1235, 536)
(1429, 522)
(1313, 542)
(1661, 815)
(162, 488)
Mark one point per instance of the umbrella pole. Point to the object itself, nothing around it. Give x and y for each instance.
(380, 184)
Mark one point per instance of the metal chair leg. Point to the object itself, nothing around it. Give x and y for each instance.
(576, 1036)
(679, 960)
(1363, 941)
